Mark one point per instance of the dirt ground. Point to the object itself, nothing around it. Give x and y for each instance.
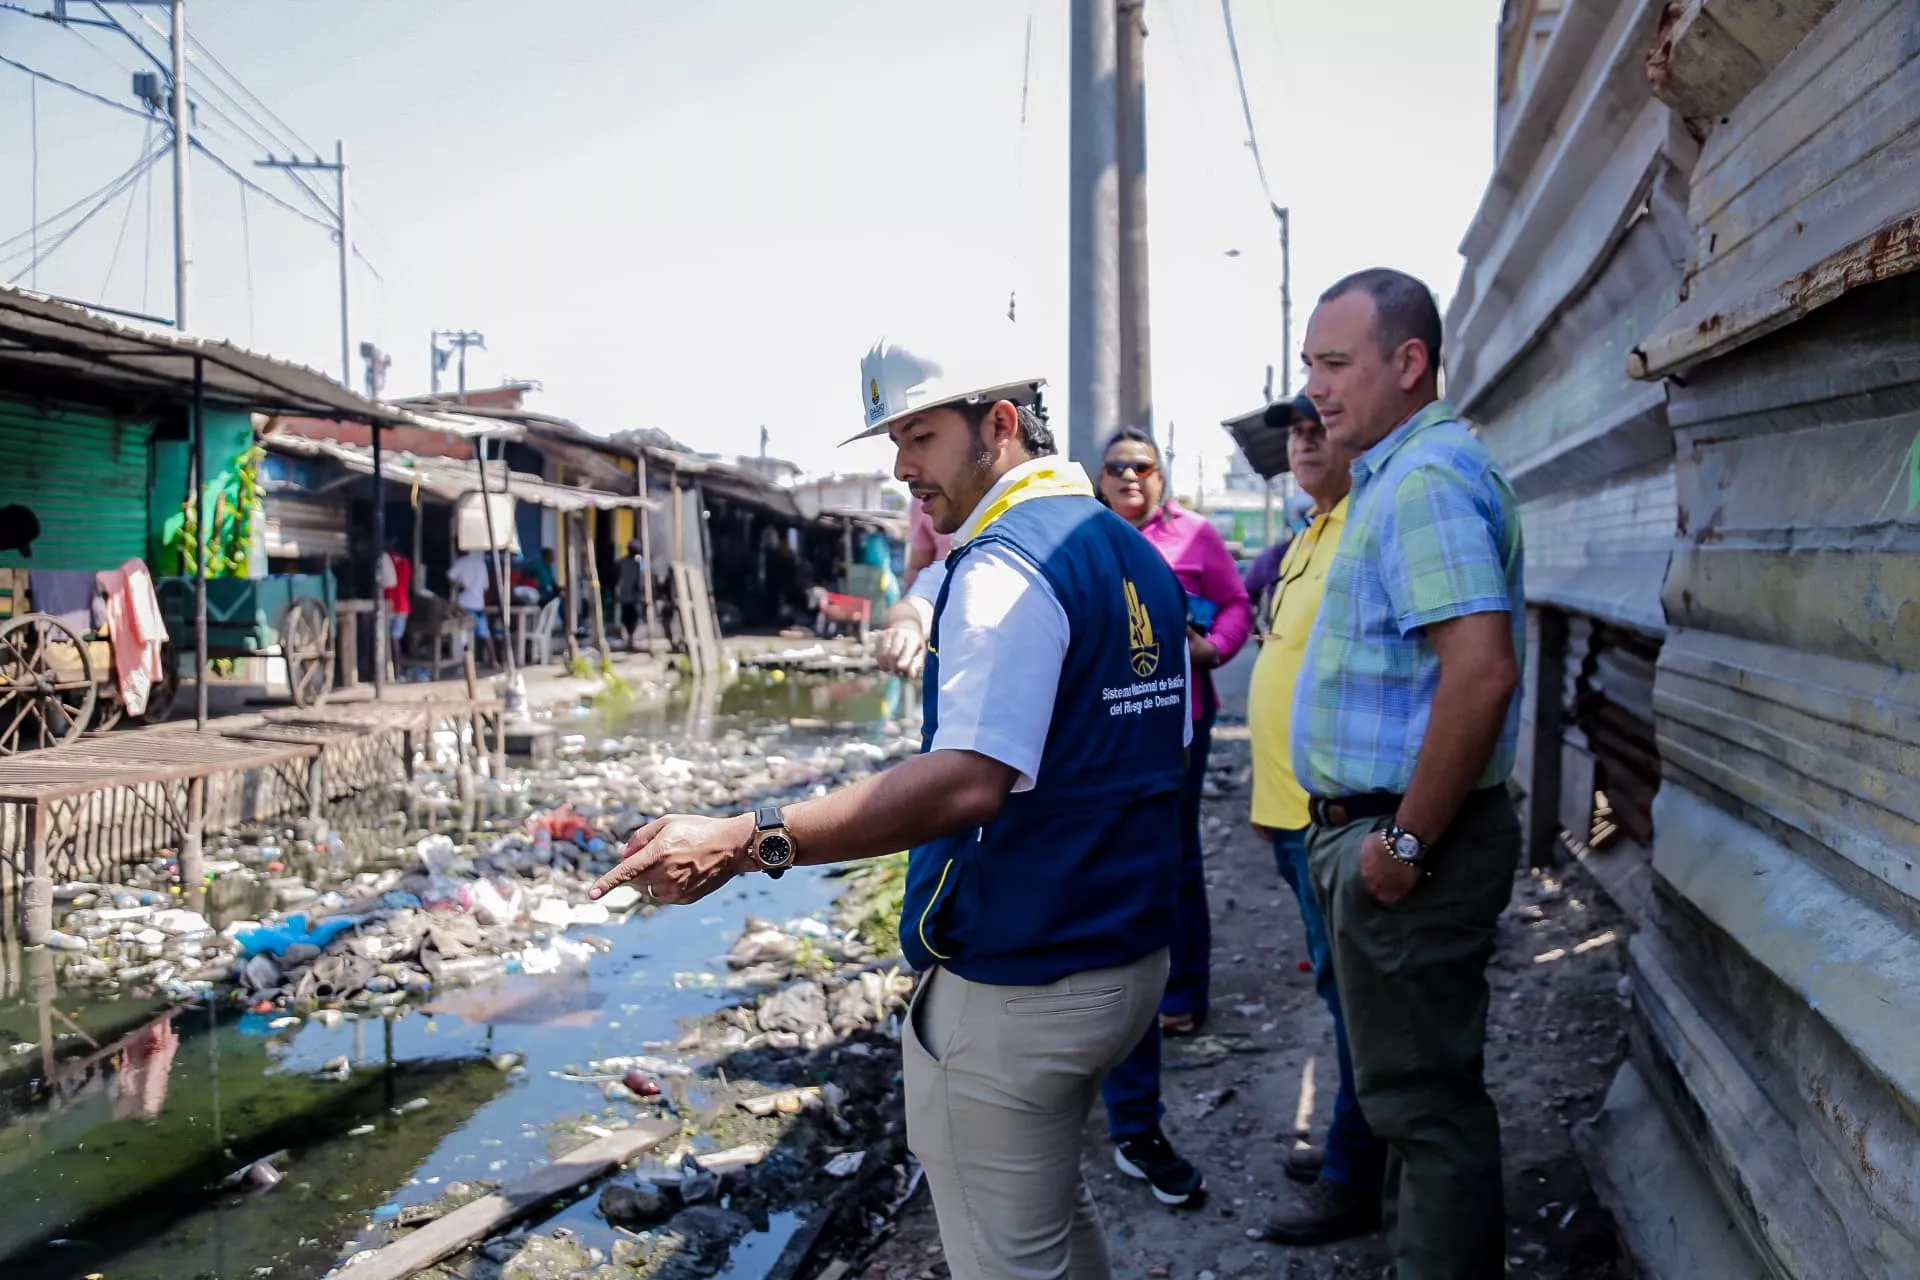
(1234, 1093)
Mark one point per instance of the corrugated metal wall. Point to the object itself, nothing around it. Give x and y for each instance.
(1780, 986)
(85, 476)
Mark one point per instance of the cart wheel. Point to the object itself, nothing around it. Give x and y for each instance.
(306, 641)
(107, 712)
(46, 684)
(165, 694)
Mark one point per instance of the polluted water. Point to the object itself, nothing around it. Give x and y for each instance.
(353, 1027)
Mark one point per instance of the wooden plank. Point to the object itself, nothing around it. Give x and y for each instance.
(472, 1223)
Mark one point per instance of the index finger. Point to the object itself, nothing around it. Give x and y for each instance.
(633, 861)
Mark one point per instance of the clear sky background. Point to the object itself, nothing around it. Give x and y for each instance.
(697, 215)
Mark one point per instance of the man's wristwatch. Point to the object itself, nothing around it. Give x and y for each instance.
(1404, 845)
(772, 846)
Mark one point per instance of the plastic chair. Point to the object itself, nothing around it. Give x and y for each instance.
(539, 638)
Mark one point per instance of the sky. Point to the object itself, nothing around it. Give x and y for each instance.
(698, 216)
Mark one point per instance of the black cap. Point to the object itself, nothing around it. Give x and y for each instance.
(1284, 413)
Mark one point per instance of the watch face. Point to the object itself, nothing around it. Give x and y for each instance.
(775, 850)
(1406, 847)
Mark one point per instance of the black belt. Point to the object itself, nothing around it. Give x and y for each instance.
(1341, 810)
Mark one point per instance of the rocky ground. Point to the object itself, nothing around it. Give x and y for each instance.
(1234, 1093)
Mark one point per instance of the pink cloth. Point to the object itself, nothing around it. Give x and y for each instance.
(138, 631)
(1205, 567)
(921, 534)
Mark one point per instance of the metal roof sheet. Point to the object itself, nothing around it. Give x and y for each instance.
(449, 479)
(57, 339)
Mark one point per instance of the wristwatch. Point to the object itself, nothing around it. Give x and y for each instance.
(772, 845)
(1404, 845)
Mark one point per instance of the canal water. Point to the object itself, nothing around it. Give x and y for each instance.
(114, 1165)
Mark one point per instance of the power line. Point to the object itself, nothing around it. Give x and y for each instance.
(246, 244)
(285, 128)
(146, 252)
(127, 180)
(33, 208)
(126, 216)
(52, 218)
(69, 85)
(257, 189)
(1246, 107)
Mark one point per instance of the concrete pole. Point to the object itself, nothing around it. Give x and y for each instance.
(346, 260)
(1093, 360)
(1136, 365)
(182, 140)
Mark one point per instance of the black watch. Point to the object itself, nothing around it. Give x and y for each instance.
(1404, 845)
(772, 842)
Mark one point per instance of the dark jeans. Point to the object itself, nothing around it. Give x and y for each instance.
(1354, 1157)
(1193, 931)
(1132, 1089)
(1413, 978)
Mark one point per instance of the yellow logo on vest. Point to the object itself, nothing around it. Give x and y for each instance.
(1140, 642)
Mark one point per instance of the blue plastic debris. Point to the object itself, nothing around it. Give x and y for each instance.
(274, 939)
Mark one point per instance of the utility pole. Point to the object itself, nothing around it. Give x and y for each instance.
(1136, 373)
(1094, 212)
(343, 225)
(182, 140)
(1284, 217)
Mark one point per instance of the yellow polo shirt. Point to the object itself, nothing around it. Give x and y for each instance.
(1279, 801)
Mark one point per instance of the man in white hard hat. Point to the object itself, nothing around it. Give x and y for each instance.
(1043, 814)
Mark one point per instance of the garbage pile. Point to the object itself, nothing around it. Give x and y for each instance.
(440, 913)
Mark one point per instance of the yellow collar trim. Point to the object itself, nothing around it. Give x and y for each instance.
(1041, 478)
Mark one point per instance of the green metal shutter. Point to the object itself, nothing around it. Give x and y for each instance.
(85, 476)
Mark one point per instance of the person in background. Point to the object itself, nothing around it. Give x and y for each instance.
(1133, 485)
(1342, 1198)
(546, 577)
(1265, 569)
(468, 578)
(396, 584)
(1219, 619)
(1405, 725)
(1043, 814)
(925, 544)
(630, 590)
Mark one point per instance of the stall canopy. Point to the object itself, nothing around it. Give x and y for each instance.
(1265, 447)
(54, 346)
(452, 480)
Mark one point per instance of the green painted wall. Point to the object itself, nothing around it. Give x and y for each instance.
(229, 435)
(84, 476)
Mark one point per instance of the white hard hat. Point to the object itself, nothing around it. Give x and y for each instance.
(895, 382)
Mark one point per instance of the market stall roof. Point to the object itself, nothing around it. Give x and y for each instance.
(451, 480)
(56, 342)
(1264, 447)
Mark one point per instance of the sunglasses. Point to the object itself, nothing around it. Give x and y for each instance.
(1121, 470)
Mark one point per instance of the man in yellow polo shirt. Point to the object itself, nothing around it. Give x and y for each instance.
(1342, 1198)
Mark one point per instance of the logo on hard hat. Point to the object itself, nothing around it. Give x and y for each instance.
(873, 390)
(1140, 643)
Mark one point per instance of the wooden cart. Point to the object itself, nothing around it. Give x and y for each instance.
(57, 681)
(287, 615)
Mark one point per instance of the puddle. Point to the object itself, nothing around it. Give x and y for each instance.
(111, 1158)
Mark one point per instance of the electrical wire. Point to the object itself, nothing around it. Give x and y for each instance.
(1020, 173)
(126, 216)
(53, 247)
(256, 188)
(1246, 106)
(146, 253)
(246, 247)
(47, 222)
(69, 85)
(33, 208)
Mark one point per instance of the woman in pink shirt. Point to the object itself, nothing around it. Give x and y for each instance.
(1219, 621)
(924, 544)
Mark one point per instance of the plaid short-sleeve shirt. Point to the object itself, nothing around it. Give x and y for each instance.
(1433, 534)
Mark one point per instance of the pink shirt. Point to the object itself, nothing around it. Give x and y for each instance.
(921, 535)
(1205, 567)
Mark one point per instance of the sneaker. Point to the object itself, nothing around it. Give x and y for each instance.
(1323, 1213)
(1302, 1162)
(1152, 1159)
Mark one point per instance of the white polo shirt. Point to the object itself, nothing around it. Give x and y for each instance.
(1003, 637)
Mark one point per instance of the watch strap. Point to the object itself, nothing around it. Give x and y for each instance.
(767, 818)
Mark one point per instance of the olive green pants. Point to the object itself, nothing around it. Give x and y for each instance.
(1413, 981)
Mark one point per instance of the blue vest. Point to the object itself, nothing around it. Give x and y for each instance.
(1081, 872)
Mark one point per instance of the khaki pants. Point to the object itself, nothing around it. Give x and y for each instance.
(998, 1082)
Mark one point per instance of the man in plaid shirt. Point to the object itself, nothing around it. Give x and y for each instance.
(1404, 728)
